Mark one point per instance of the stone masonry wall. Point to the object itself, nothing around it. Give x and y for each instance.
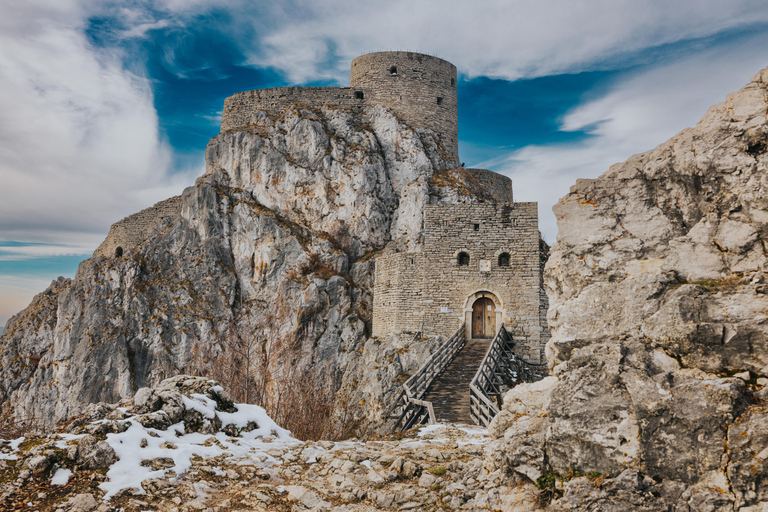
(421, 93)
(134, 229)
(497, 184)
(239, 108)
(420, 89)
(397, 290)
(432, 288)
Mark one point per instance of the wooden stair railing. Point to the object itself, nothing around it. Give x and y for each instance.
(414, 410)
(486, 383)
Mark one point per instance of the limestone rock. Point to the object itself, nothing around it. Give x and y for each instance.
(94, 454)
(271, 251)
(659, 332)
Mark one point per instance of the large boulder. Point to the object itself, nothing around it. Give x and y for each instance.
(659, 346)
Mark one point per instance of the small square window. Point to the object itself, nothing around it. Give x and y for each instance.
(359, 95)
(477, 227)
(439, 101)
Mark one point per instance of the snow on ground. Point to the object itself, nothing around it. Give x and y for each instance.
(139, 443)
(13, 446)
(61, 477)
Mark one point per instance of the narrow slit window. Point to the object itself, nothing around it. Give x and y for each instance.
(453, 82)
(439, 101)
(476, 227)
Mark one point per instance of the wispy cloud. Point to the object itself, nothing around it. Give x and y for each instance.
(494, 38)
(639, 112)
(79, 140)
(19, 251)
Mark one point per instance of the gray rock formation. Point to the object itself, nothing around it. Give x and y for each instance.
(269, 260)
(659, 344)
(199, 460)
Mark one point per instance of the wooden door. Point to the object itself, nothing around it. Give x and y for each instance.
(483, 318)
(489, 323)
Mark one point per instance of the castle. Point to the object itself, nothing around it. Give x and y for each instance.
(481, 262)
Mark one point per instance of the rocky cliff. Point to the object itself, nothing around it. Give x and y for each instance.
(266, 271)
(659, 349)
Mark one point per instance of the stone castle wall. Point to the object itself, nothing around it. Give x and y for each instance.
(498, 185)
(419, 89)
(239, 108)
(431, 287)
(134, 229)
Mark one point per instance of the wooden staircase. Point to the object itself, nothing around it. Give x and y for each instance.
(449, 393)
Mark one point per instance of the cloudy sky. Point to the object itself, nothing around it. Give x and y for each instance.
(106, 106)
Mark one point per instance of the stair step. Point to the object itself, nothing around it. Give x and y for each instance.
(449, 393)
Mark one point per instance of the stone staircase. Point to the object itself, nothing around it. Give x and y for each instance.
(449, 393)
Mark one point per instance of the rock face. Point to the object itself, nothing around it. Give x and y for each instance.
(268, 265)
(659, 345)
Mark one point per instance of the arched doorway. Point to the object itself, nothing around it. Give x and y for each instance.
(483, 318)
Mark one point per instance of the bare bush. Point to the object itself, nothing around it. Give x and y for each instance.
(304, 405)
(248, 363)
(15, 426)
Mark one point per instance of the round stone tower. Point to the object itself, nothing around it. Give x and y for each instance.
(420, 90)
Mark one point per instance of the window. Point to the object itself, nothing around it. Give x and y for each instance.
(453, 82)
(504, 259)
(358, 95)
(463, 259)
(476, 227)
(118, 252)
(393, 71)
(439, 101)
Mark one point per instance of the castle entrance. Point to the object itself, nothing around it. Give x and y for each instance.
(483, 318)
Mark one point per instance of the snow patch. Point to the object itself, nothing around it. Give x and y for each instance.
(61, 477)
(174, 444)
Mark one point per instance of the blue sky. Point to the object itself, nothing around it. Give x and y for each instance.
(106, 107)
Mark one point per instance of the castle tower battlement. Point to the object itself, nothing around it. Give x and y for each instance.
(419, 89)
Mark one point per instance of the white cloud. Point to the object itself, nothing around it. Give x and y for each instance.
(79, 141)
(495, 38)
(26, 252)
(635, 115)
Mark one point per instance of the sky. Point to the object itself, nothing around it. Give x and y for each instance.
(106, 106)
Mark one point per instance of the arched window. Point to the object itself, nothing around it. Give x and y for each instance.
(463, 259)
(504, 259)
(393, 70)
(118, 252)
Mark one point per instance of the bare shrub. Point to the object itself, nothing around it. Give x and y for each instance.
(249, 362)
(14, 426)
(304, 405)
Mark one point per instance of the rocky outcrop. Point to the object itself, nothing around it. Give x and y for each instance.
(659, 349)
(267, 268)
(184, 445)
